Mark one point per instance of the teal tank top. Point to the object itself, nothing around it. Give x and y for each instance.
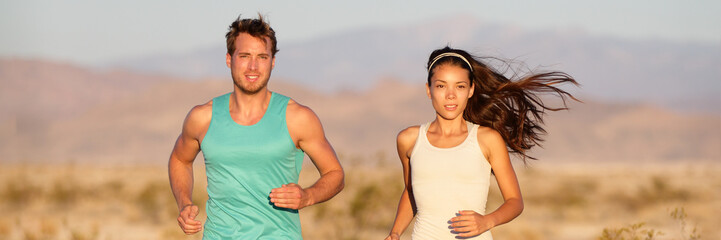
(243, 163)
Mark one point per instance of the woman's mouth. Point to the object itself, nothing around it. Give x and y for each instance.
(450, 107)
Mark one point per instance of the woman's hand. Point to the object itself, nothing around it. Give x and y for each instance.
(470, 223)
(393, 236)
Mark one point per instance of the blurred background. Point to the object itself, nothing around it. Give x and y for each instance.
(93, 95)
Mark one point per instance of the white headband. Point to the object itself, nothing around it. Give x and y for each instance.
(449, 54)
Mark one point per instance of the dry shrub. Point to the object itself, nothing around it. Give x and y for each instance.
(661, 191)
(365, 209)
(174, 232)
(30, 234)
(64, 193)
(638, 231)
(90, 234)
(18, 193)
(113, 189)
(657, 191)
(679, 214)
(630, 232)
(370, 199)
(524, 233)
(155, 200)
(48, 228)
(566, 195)
(44, 229)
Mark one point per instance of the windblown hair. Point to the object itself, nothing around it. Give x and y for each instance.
(255, 27)
(510, 106)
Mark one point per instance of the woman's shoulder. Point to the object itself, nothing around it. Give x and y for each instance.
(408, 134)
(488, 133)
(489, 138)
(406, 141)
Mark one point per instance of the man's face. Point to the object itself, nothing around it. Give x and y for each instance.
(251, 63)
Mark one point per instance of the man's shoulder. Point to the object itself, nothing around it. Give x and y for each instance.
(207, 107)
(295, 109)
(203, 108)
(200, 114)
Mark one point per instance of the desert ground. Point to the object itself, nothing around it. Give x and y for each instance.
(80, 164)
(677, 200)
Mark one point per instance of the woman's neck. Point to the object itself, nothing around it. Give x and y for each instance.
(449, 126)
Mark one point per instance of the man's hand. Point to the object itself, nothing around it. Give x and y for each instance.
(290, 196)
(186, 219)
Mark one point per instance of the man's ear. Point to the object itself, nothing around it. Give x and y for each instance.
(228, 57)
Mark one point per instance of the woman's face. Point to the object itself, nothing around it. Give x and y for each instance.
(449, 90)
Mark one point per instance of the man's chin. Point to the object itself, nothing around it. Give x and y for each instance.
(251, 90)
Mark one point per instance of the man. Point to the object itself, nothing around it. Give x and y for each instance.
(253, 142)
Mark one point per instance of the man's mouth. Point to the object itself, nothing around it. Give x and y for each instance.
(251, 78)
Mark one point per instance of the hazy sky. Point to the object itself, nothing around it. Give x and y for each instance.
(94, 32)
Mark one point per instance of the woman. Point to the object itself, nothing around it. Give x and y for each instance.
(447, 163)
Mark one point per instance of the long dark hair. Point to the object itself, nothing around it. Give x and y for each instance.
(509, 106)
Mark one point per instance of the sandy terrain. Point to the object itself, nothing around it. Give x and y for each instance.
(562, 202)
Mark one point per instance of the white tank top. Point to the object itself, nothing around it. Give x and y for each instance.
(445, 181)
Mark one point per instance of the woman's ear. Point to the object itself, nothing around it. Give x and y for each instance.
(473, 88)
(428, 91)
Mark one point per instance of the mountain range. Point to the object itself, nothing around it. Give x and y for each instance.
(55, 112)
(682, 76)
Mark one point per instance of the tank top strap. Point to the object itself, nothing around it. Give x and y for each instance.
(423, 131)
(421, 138)
(278, 104)
(472, 132)
(221, 107)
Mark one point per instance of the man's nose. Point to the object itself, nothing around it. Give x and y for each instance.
(253, 64)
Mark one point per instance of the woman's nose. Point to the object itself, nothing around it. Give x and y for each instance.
(450, 94)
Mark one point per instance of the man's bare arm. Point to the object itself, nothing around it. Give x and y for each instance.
(307, 132)
(180, 166)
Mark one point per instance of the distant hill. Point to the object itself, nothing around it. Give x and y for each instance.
(683, 76)
(61, 113)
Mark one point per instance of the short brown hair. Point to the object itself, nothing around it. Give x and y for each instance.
(255, 27)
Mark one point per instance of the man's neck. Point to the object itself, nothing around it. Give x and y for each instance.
(248, 109)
